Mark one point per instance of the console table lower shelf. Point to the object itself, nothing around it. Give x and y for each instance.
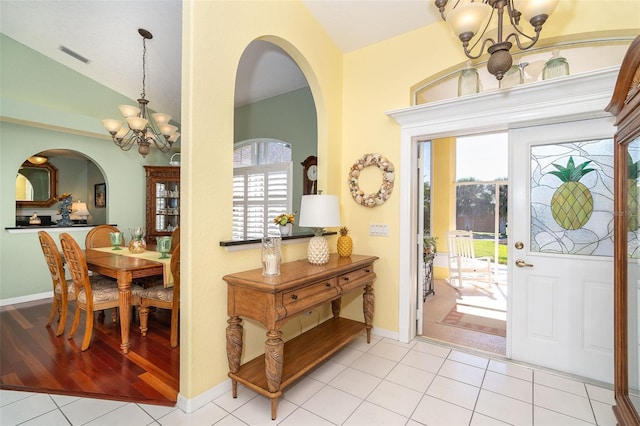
(274, 300)
(301, 354)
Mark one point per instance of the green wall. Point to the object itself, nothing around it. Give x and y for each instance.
(290, 117)
(45, 105)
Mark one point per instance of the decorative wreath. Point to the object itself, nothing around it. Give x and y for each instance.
(388, 176)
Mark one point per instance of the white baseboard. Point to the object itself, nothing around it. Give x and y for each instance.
(28, 298)
(191, 405)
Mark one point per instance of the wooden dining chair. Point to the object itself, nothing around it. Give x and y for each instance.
(63, 289)
(175, 238)
(88, 298)
(99, 237)
(163, 298)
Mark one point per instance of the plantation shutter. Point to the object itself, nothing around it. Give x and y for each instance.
(260, 193)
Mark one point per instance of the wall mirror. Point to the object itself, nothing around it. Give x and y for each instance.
(36, 185)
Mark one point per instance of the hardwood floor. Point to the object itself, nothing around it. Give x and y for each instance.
(33, 359)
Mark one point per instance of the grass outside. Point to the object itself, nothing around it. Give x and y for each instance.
(486, 248)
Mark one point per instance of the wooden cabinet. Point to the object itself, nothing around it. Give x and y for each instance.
(625, 105)
(163, 201)
(274, 300)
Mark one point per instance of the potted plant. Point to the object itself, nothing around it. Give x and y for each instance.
(285, 221)
(430, 244)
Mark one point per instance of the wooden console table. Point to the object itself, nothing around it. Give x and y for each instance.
(273, 301)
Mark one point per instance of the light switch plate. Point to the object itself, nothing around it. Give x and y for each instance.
(378, 230)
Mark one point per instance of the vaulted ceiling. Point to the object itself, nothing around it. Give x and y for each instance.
(105, 33)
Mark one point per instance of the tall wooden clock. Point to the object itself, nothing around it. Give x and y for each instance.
(310, 175)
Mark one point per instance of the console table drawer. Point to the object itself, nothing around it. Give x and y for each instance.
(356, 278)
(306, 297)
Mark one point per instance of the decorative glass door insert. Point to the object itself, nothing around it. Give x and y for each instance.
(572, 198)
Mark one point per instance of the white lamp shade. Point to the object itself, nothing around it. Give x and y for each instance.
(168, 129)
(129, 111)
(137, 123)
(122, 132)
(319, 211)
(112, 126)
(174, 137)
(468, 17)
(533, 8)
(79, 211)
(161, 118)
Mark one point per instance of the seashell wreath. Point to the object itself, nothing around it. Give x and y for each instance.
(388, 176)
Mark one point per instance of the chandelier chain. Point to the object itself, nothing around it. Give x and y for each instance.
(144, 65)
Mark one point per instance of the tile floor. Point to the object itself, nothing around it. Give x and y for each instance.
(383, 383)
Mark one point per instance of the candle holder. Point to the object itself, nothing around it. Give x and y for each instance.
(271, 256)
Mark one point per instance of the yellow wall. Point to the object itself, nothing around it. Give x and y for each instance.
(443, 195)
(352, 93)
(215, 34)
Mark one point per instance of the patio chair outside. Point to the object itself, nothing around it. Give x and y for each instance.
(463, 264)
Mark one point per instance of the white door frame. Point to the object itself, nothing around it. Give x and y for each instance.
(569, 98)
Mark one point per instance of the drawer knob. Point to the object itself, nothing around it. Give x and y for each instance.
(367, 270)
(327, 285)
(294, 296)
(346, 278)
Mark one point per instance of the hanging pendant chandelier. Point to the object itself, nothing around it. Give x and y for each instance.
(139, 128)
(467, 16)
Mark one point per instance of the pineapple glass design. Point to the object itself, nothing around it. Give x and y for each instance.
(572, 202)
(345, 244)
(632, 192)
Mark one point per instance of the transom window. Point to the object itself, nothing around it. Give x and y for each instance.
(262, 189)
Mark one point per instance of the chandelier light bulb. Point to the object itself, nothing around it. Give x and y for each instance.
(129, 111)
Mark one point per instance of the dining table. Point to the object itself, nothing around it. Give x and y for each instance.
(125, 267)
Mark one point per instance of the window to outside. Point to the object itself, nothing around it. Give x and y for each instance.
(481, 192)
(262, 170)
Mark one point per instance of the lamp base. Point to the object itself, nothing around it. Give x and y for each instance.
(318, 251)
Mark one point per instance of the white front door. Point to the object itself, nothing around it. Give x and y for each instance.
(561, 247)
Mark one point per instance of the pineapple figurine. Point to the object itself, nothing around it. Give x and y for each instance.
(572, 203)
(345, 243)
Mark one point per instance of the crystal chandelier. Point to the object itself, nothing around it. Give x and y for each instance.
(467, 16)
(139, 128)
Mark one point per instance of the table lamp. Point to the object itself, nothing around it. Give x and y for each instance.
(319, 212)
(79, 212)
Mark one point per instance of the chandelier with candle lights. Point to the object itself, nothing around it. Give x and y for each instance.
(468, 16)
(139, 128)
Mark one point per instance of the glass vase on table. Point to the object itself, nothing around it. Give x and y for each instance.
(164, 246)
(137, 243)
(271, 256)
(116, 240)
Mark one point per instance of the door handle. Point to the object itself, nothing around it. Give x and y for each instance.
(522, 264)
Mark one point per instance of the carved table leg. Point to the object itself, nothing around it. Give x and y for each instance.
(368, 308)
(335, 307)
(273, 356)
(234, 349)
(124, 305)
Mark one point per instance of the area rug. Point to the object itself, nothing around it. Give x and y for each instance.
(476, 319)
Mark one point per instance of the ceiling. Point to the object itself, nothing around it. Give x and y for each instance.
(105, 32)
